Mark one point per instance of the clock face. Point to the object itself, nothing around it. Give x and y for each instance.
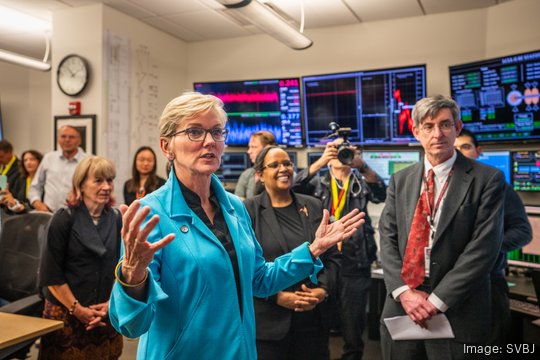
(72, 75)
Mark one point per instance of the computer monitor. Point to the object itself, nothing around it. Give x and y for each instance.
(499, 160)
(255, 105)
(375, 104)
(314, 156)
(529, 255)
(232, 165)
(526, 170)
(499, 97)
(387, 163)
(293, 157)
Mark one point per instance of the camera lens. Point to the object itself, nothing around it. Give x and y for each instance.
(345, 153)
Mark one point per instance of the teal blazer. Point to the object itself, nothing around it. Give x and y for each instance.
(192, 308)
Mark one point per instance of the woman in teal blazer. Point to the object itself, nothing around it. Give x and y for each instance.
(188, 276)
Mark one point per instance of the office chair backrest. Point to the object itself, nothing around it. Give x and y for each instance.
(21, 242)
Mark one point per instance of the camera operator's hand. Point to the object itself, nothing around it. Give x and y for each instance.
(330, 153)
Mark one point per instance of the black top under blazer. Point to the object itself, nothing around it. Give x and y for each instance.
(274, 321)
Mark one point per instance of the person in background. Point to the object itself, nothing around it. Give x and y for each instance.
(294, 323)
(517, 233)
(77, 269)
(246, 186)
(16, 198)
(51, 184)
(441, 230)
(192, 297)
(144, 179)
(9, 164)
(344, 188)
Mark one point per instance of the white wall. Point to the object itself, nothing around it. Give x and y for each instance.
(25, 99)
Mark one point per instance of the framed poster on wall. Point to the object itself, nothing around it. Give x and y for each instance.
(85, 125)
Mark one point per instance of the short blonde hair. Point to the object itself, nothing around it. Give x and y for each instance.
(99, 166)
(188, 106)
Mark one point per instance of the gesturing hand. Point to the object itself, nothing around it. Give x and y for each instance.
(138, 252)
(328, 235)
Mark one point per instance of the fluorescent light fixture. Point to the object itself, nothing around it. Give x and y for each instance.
(22, 22)
(24, 61)
(266, 19)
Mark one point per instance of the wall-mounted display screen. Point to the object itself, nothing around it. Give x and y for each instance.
(232, 165)
(375, 104)
(386, 163)
(499, 97)
(499, 160)
(526, 170)
(255, 105)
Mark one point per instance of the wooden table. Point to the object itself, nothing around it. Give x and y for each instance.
(18, 329)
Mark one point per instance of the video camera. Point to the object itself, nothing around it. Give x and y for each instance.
(345, 152)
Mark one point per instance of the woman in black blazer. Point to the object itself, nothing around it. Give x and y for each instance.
(294, 323)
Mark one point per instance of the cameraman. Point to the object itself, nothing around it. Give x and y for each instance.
(343, 188)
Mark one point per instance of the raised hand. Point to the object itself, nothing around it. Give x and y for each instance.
(138, 252)
(328, 235)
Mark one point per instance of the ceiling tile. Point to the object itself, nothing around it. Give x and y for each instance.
(128, 8)
(209, 24)
(168, 7)
(374, 10)
(318, 13)
(173, 29)
(438, 6)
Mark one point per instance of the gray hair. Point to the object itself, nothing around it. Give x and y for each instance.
(187, 106)
(430, 107)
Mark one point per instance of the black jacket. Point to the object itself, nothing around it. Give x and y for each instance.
(273, 321)
(360, 250)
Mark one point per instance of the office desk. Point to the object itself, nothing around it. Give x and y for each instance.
(17, 330)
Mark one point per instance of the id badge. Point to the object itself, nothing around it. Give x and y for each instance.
(427, 259)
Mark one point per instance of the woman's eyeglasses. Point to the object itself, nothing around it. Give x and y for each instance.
(199, 134)
(276, 164)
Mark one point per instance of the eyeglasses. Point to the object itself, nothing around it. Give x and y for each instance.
(274, 165)
(445, 127)
(199, 134)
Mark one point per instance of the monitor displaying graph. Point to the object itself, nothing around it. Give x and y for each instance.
(255, 105)
(387, 163)
(376, 105)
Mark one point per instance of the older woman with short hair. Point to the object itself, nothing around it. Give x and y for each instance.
(188, 276)
(77, 269)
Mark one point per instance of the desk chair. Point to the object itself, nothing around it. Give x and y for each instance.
(21, 241)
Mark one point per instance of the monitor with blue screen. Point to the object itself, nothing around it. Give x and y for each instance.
(529, 255)
(499, 160)
(387, 163)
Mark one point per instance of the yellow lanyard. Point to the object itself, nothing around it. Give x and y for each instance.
(338, 198)
(28, 182)
(9, 165)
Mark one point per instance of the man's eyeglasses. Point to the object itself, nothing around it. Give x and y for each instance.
(274, 165)
(199, 134)
(445, 127)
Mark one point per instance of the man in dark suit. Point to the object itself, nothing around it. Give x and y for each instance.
(9, 164)
(517, 233)
(441, 231)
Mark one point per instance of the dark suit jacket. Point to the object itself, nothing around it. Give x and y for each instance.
(273, 321)
(466, 244)
(13, 173)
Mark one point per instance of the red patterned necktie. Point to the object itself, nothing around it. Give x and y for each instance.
(413, 270)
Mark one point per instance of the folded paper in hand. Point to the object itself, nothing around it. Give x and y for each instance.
(403, 328)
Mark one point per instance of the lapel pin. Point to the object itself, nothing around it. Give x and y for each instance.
(304, 210)
(184, 229)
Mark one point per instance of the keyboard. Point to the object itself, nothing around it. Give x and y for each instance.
(524, 307)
